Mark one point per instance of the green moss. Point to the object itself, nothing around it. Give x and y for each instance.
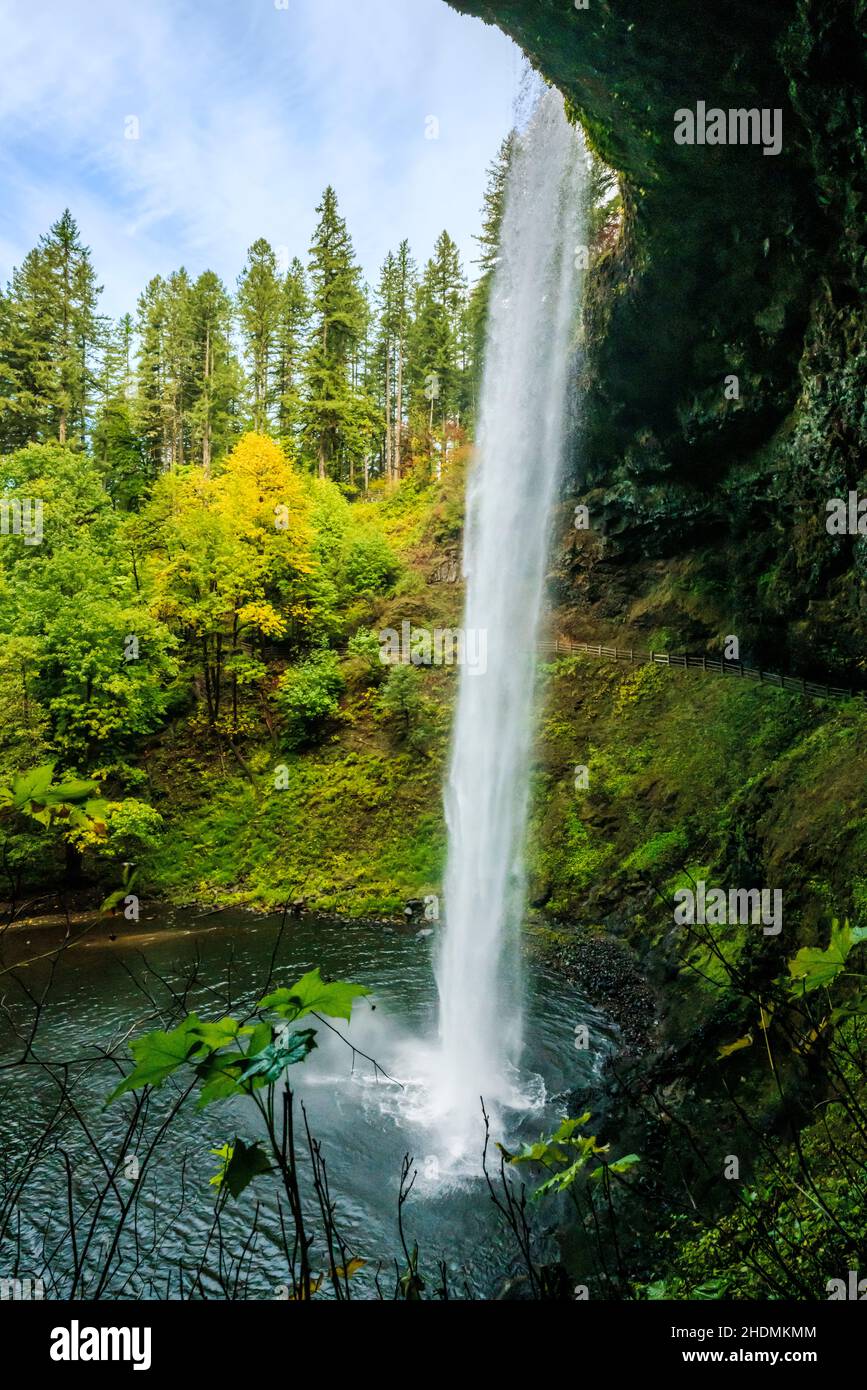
(667, 847)
(353, 834)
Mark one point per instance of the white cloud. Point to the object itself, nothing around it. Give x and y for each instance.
(245, 113)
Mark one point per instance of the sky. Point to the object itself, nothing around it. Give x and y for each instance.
(244, 111)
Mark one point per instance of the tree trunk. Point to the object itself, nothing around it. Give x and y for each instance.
(398, 419)
(388, 460)
(206, 438)
(73, 875)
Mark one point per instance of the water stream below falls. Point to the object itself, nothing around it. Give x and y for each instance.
(366, 1125)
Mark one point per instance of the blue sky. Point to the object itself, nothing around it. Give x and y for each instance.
(246, 110)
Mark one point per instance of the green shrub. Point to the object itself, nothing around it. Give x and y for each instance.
(370, 565)
(365, 662)
(403, 706)
(309, 695)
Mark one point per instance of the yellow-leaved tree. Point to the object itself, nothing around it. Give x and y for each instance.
(227, 560)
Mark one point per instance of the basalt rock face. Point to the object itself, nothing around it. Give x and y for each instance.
(731, 262)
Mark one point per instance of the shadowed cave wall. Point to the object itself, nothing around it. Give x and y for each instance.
(730, 262)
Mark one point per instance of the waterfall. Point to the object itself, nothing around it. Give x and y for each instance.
(524, 413)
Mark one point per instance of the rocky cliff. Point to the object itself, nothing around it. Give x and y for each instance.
(731, 263)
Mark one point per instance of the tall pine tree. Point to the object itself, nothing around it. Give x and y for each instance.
(333, 407)
(213, 413)
(50, 335)
(259, 308)
(292, 321)
(396, 290)
(489, 247)
(439, 348)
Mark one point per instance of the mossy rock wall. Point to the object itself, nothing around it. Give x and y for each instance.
(731, 262)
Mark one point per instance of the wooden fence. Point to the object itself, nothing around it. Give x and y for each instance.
(564, 646)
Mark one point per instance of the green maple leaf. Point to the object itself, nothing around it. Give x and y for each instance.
(267, 1057)
(75, 790)
(813, 968)
(273, 1060)
(220, 1077)
(157, 1055)
(241, 1164)
(313, 995)
(217, 1035)
(620, 1165)
(31, 786)
(260, 1034)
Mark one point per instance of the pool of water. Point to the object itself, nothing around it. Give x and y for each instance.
(95, 995)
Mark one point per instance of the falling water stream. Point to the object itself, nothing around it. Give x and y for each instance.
(524, 416)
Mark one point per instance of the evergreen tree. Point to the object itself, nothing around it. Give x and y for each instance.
(259, 313)
(489, 247)
(333, 409)
(181, 367)
(149, 413)
(213, 411)
(293, 319)
(49, 338)
(116, 444)
(406, 280)
(386, 360)
(10, 405)
(364, 421)
(395, 295)
(439, 348)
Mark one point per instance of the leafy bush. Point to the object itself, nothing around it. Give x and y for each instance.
(404, 707)
(132, 826)
(364, 653)
(309, 695)
(370, 565)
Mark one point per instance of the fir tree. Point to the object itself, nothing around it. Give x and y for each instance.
(396, 289)
(49, 338)
(293, 318)
(213, 412)
(489, 248)
(259, 310)
(149, 413)
(439, 348)
(116, 443)
(332, 407)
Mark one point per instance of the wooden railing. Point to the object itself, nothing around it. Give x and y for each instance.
(564, 646)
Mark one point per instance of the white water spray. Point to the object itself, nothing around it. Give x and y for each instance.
(524, 411)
